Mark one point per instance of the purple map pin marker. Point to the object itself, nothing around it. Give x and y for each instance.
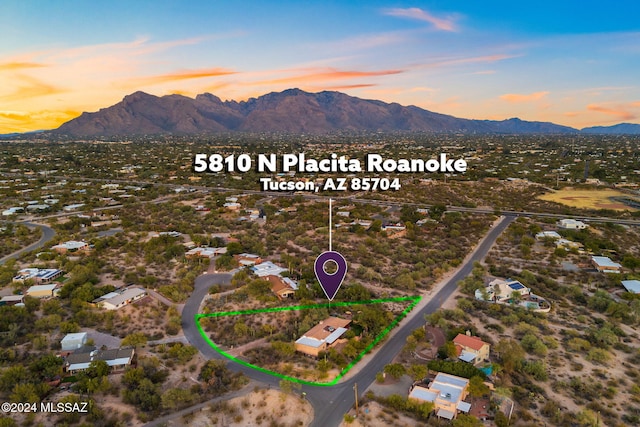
(330, 283)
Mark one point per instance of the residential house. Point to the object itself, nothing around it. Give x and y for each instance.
(501, 290)
(322, 336)
(571, 224)
(42, 291)
(604, 264)
(446, 392)
(71, 208)
(118, 299)
(267, 268)
(283, 287)
(248, 259)
(568, 244)
(394, 230)
(632, 286)
(204, 252)
(548, 235)
(12, 211)
(12, 300)
(117, 359)
(39, 275)
(471, 349)
(71, 246)
(38, 208)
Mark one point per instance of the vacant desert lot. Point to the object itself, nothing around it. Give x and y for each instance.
(587, 199)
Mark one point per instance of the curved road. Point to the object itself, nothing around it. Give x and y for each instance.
(331, 403)
(47, 235)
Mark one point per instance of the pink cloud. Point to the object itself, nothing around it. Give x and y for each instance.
(448, 62)
(517, 97)
(621, 112)
(447, 23)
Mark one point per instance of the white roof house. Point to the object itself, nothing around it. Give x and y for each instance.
(117, 359)
(70, 246)
(605, 265)
(446, 392)
(73, 207)
(632, 286)
(39, 275)
(205, 252)
(118, 299)
(548, 234)
(73, 341)
(571, 224)
(267, 268)
(12, 211)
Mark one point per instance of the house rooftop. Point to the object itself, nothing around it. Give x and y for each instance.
(474, 343)
(632, 286)
(267, 268)
(328, 330)
(604, 261)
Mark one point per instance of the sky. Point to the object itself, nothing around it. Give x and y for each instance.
(574, 63)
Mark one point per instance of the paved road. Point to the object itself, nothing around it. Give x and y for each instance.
(331, 403)
(47, 235)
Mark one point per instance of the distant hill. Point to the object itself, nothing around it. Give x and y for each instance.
(291, 111)
(622, 128)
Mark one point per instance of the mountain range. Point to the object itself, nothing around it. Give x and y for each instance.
(290, 111)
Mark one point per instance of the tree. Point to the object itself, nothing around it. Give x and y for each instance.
(216, 375)
(447, 351)
(11, 376)
(436, 211)
(501, 419)
(510, 354)
(464, 420)
(234, 248)
(496, 292)
(376, 226)
(24, 393)
(477, 387)
(175, 398)
(146, 396)
(418, 372)
(97, 369)
(286, 386)
(396, 370)
(46, 367)
(135, 339)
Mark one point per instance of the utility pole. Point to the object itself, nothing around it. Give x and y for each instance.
(355, 390)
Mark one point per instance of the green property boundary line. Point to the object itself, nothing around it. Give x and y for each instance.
(415, 300)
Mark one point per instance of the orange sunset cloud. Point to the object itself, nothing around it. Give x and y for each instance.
(178, 76)
(620, 112)
(517, 97)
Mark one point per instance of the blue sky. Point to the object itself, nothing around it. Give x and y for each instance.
(573, 63)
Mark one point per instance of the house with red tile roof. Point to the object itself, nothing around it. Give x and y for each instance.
(471, 349)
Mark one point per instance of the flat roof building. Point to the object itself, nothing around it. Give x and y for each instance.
(571, 224)
(117, 359)
(446, 392)
(605, 265)
(42, 291)
(632, 286)
(118, 299)
(71, 246)
(39, 275)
